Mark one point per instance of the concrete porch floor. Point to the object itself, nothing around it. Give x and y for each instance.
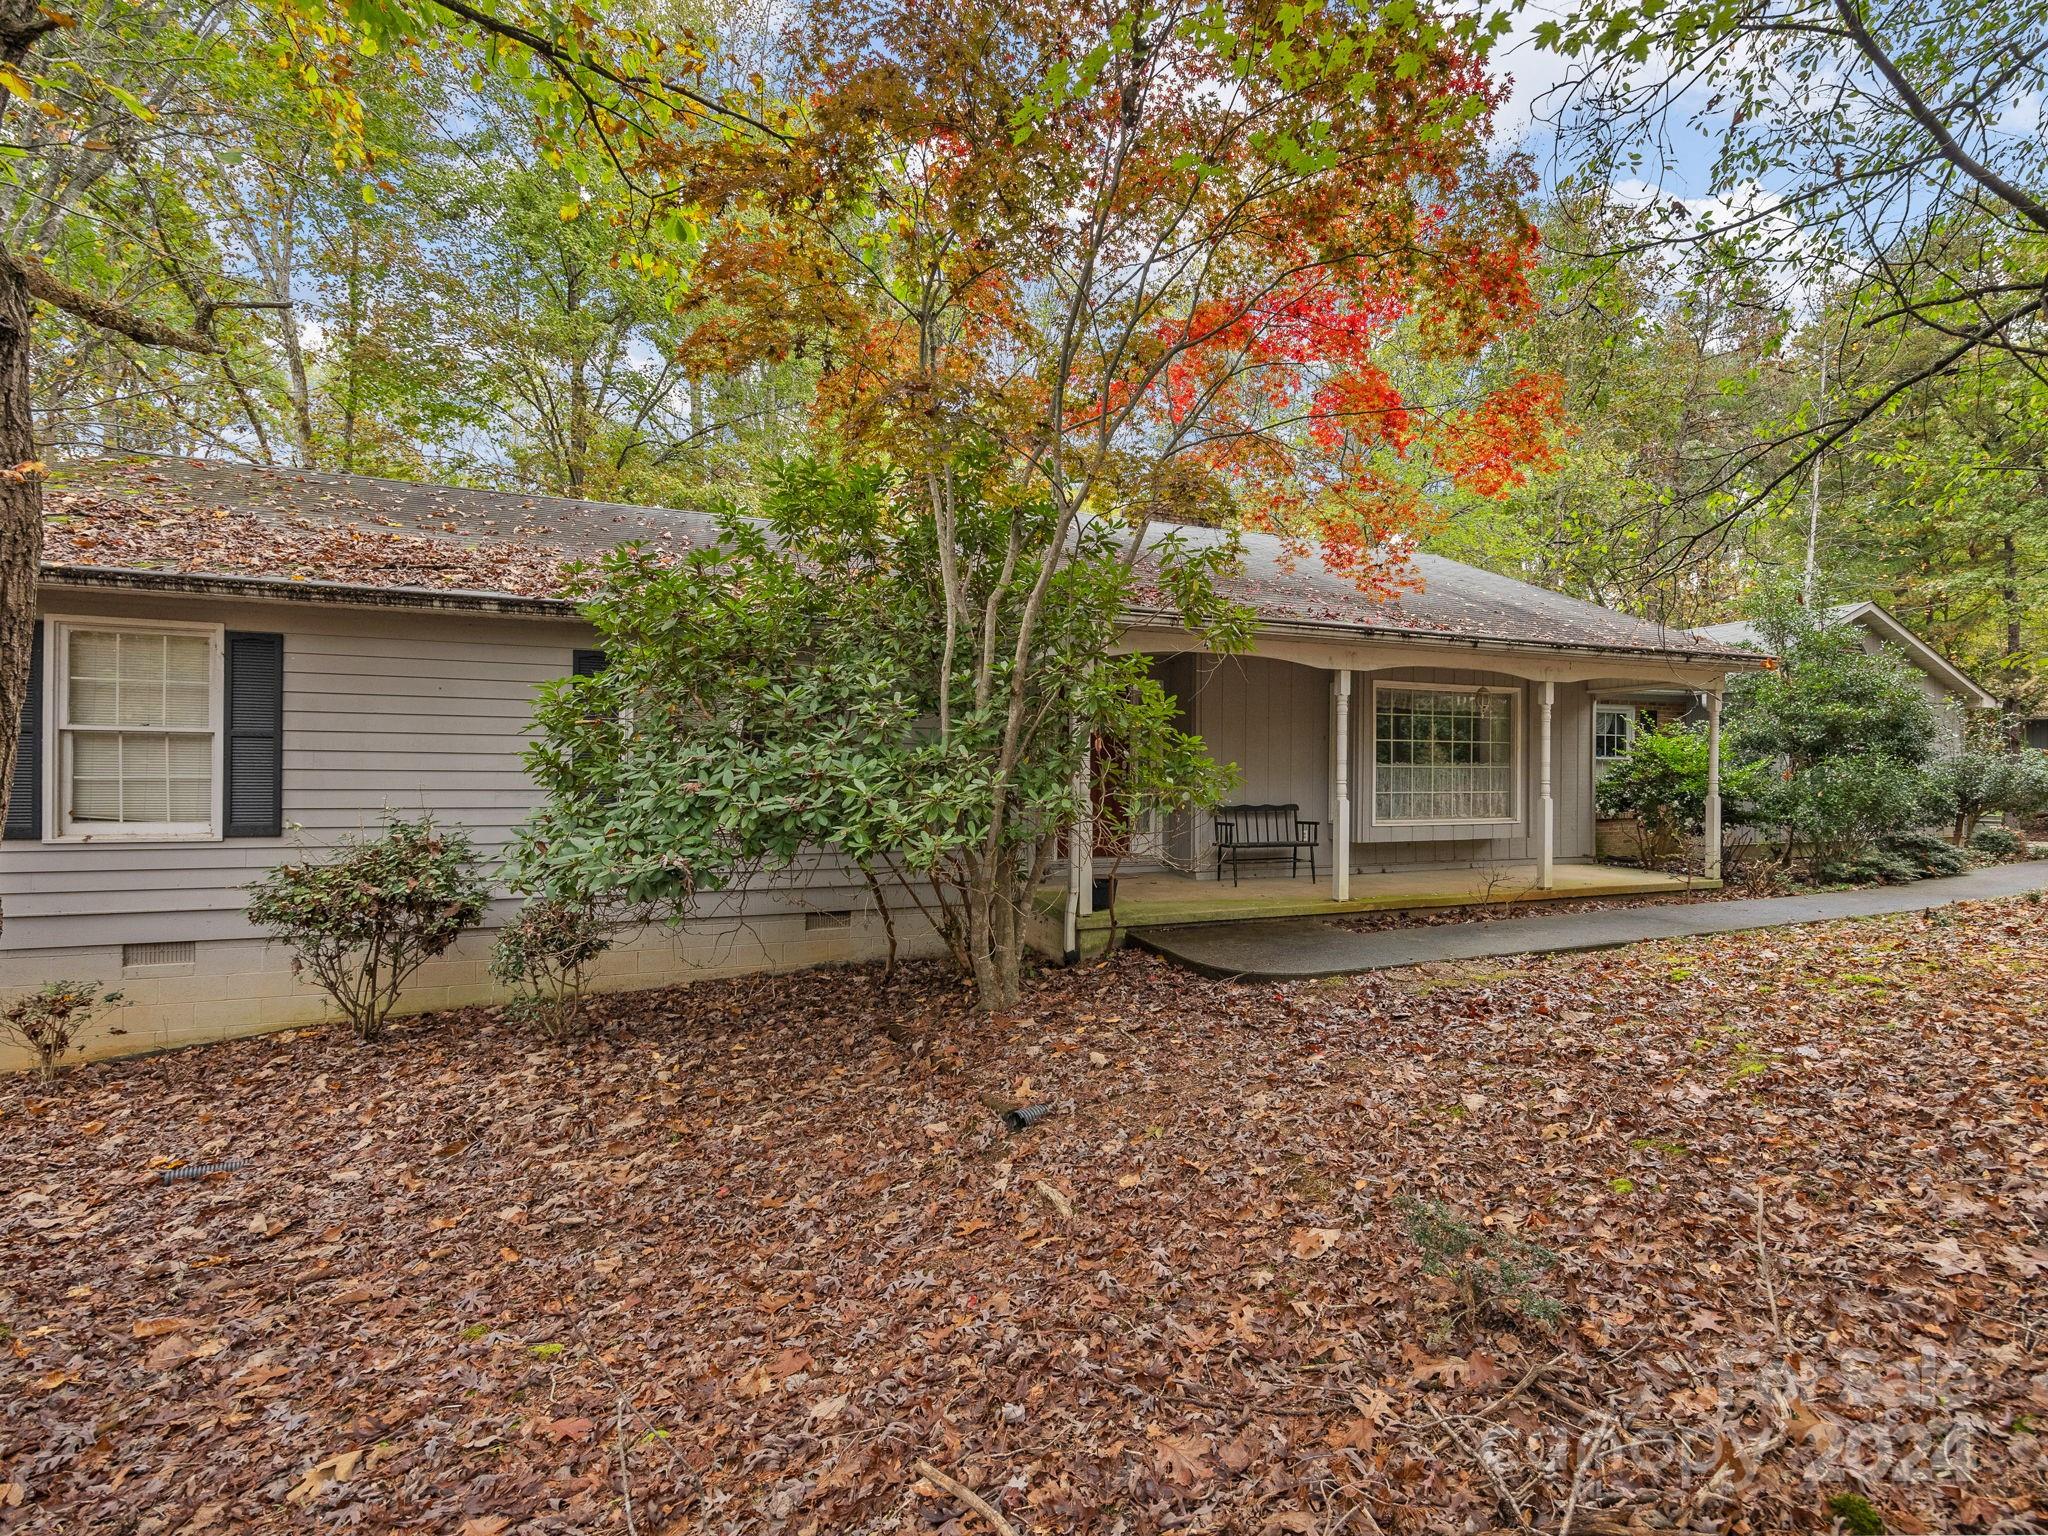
(1156, 900)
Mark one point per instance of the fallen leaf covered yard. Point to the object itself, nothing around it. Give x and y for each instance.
(462, 1278)
(820, 770)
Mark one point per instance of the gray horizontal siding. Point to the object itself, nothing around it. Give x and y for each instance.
(409, 713)
(383, 711)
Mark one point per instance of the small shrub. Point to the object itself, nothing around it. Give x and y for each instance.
(1837, 809)
(1998, 842)
(543, 956)
(1970, 785)
(363, 919)
(1662, 782)
(1494, 1271)
(1929, 854)
(1877, 866)
(48, 1021)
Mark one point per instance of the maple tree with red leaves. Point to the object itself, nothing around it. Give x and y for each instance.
(1122, 266)
(1155, 256)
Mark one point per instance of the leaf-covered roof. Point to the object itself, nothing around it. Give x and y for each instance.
(208, 518)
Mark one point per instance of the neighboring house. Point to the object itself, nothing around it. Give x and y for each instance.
(2037, 732)
(231, 661)
(1946, 685)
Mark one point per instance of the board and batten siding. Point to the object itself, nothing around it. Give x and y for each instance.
(1272, 720)
(1376, 847)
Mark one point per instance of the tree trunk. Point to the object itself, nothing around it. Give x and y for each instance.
(297, 385)
(21, 520)
(980, 943)
(579, 429)
(353, 332)
(2012, 705)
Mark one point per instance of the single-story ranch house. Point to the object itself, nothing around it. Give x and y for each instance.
(232, 661)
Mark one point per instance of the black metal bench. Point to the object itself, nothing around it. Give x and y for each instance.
(1263, 833)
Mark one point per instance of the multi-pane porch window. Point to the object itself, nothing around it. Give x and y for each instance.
(1614, 731)
(135, 731)
(1443, 754)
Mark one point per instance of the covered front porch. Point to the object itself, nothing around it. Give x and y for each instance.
(1415, 774)
(1163, 898)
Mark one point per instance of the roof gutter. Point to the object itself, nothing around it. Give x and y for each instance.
(280, 589)
(355, 595)
(1328, 628)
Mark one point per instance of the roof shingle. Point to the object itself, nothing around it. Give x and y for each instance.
(191, 517)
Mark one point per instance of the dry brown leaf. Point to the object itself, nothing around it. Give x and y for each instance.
(1313, 1242)
(1182, 1459)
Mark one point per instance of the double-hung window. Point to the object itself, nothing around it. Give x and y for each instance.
(1443, 754)
(136, 711)
(1614, 732)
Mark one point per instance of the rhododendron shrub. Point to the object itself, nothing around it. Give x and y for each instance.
(1142, 264)
(771, 696)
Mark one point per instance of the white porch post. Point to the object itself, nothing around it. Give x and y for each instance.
(1711, 852)
(1546, 807)
(1340, 781)
(1081, 835)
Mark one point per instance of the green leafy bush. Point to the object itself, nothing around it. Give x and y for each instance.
(544, 955)
(1972, 784)
(1850, 734)
(1998, 842)
(1828, 698)
(49, 1020)
(1876, 866)
(1928, 854)
(372, 912)
(1662, 782)
(1837, 809)
(725, 740)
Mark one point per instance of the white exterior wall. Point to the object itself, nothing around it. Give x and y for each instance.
(385, 709)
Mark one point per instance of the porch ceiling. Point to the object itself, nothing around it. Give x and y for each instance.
(1157, 900)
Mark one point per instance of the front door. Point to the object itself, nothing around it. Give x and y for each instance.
(1124, 829)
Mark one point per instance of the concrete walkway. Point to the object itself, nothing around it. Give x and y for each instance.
(1303, 948)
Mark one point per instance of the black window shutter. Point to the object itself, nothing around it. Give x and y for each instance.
(254, 707)
(584, 663)
(25, 795)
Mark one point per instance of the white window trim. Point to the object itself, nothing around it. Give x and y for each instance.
(1635, 724)
(1516, 752)
(57, 782)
